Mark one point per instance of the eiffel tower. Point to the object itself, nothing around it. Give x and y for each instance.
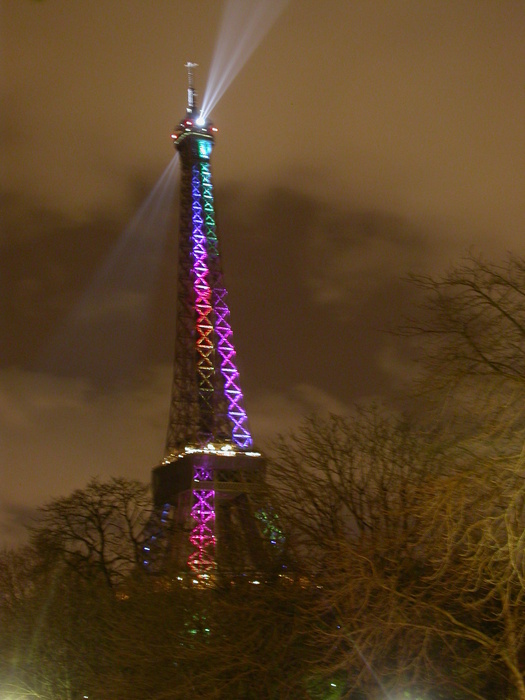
(210, 489)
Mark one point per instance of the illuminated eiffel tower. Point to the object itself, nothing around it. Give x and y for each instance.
(210, 489)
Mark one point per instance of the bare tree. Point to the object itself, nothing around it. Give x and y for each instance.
(474, 524)
(352, 479)
(59, 594)
(16, 576)
(247, 641)
(51, 631)
(417, 555)
(473, 323)
(348, 490)
(74, 630)
(97, 530)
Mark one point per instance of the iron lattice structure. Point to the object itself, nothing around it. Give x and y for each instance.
(210, 487)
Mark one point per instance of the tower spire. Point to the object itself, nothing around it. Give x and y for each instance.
(192, 95)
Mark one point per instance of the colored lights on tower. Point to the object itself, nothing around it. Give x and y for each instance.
(209, 422)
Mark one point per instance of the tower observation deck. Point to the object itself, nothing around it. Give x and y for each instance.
(210, 487)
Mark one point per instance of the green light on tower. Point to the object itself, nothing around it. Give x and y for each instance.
(205, 148)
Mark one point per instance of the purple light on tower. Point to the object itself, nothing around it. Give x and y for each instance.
(236, 413)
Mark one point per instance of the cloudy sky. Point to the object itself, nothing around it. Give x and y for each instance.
(358, 141)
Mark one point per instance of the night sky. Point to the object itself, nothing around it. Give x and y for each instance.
(361, 140)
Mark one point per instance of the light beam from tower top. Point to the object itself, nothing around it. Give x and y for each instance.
(245, 23)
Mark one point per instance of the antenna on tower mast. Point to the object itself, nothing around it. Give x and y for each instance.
(192, 95)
